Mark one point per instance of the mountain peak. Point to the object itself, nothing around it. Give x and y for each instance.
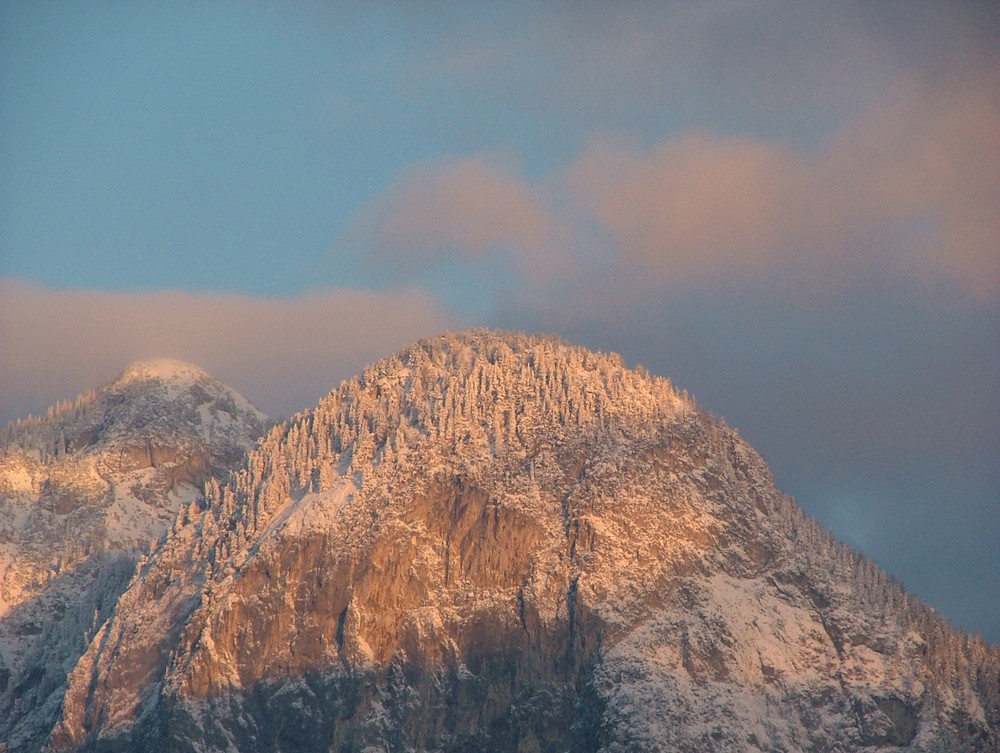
(162, 369)
(83, 490)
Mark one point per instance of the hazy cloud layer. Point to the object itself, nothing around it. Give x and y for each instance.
(284, 354)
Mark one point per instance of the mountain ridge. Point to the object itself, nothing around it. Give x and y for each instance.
(495, 540)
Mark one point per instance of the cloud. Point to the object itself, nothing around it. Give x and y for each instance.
(696, 205)
(770, 69)
(909, 189)
(462, 210)
(283, 354)
(932, 153)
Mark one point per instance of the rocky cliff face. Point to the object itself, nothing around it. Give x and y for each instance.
(83, 492)
(496, 542)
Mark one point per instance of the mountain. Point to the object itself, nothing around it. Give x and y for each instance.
(499, 542)
(83, 492)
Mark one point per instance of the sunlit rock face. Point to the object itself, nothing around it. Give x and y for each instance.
(498, 542)
(83, 492)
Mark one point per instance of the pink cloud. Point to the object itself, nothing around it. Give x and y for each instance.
(466, 209)
(910, 190)
(914, 189)
(933, 153)
(283, 354)
(695, 205)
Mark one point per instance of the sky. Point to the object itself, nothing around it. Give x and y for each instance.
(791, 209)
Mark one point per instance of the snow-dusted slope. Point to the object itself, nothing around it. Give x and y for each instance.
(496, 542)
(83, 491)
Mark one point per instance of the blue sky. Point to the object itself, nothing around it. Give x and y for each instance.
(789, 208)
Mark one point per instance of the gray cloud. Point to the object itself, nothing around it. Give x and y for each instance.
(774, 68)
(877, 407)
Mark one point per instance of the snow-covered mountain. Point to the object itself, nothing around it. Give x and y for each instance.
(498, 542)
(83, 492)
